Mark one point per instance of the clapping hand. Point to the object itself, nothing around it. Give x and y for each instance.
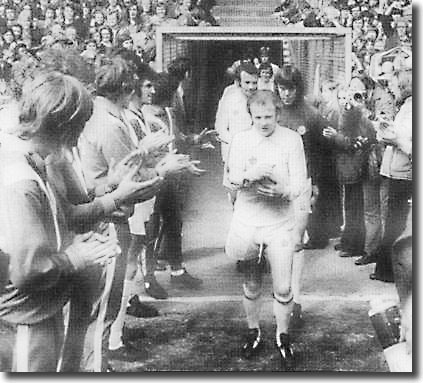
(105, 239)
(128, 188)
(207, 145)
(143, 191)
(259, 171)
(118, 171)
(123, 213)
(91, 249)
(155, 141)
(273, 190)
(174, 163)
(205, 134)
(329, 132)
(193, 169)
(384, 129)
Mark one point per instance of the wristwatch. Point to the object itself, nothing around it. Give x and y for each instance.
(109, 188)
(246, 183)
(117, 202)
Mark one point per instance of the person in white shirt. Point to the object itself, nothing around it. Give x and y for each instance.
(267, 166)
(232, 114)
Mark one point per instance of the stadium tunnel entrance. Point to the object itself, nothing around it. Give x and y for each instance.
(213, 49)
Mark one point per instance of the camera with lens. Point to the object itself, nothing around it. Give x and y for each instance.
(360, 143)
(359, 97)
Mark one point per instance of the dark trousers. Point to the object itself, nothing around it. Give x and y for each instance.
(402, 262)
(326, 218)
(400, 191)
(353, 237)
(167, 218)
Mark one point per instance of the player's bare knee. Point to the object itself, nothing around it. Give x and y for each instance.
(283, 294)
(252, 290)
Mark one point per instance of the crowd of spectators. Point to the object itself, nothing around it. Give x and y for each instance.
(378, 27)
(93, 27)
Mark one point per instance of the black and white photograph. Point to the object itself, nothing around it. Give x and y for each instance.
(206, 186)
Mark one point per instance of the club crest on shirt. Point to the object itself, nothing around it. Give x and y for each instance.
(301, 130)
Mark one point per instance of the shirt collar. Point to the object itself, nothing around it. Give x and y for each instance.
(272, 138)
(14, 144)
(107, 105)
(38, 164)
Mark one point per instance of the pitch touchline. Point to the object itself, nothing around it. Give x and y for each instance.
(304, 298)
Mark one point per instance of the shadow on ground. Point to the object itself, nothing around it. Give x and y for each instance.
(337, 336)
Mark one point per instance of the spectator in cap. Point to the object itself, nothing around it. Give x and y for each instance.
(113, 5)
(113, 21)
(264, 57)
(124, 40)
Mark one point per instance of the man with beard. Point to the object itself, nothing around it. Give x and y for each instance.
(352, 140)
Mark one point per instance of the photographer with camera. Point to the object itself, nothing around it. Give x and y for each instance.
(352, 140)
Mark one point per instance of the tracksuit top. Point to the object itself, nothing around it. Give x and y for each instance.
(33, 234)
